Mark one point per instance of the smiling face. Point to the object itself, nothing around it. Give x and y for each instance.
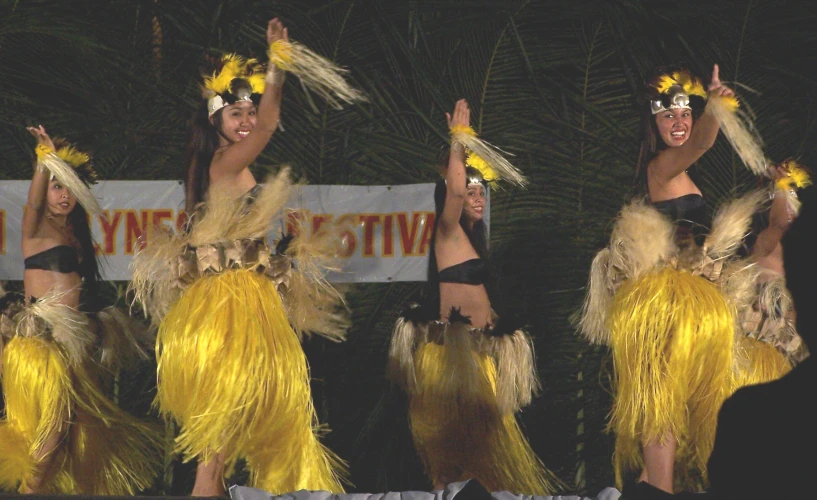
(474, 203)
(60, 201)
(237, 120)
(674, 126)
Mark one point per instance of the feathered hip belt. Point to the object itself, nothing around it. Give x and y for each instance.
(510, 352)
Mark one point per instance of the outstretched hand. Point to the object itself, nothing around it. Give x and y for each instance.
(276, 31)
(461, 115)
(42, 136)
(716, 88)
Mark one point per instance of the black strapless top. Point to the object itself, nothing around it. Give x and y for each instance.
(470, 272)
(60, 259)
(689, 213)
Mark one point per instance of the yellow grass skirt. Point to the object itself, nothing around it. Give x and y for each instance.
(672, 339)
(104, 451)
(467, 437)
(233, 374)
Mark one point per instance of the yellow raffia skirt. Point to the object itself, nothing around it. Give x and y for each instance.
(463, 435)
(672, 338)
(233, 374)
(101, 451)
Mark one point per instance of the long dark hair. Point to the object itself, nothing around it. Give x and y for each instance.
(89, 267)
(202, 143)
(651, 142)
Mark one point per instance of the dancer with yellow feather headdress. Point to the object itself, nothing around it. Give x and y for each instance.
(465, 370)
(666, 292)
(231, 310)
(61, 432)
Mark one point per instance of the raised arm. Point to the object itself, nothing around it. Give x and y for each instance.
(233, 159)
(671, 162)
(38, 191)
(455, 189)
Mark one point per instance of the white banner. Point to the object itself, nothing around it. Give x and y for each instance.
(390, 239)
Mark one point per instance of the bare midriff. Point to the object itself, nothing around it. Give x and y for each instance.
(38, 282)
(471, 300)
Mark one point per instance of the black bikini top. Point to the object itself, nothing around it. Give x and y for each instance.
(61, 259)
(470, 272)
(689, 213)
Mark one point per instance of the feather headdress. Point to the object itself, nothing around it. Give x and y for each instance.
(678, 89)
(237, 79)
(72, 168)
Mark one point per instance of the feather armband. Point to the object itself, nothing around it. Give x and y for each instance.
(317, 73)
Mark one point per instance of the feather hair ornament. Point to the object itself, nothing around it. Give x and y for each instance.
(473, 160)
(681, 78)
(237, 79)
(316, 73)
(234, 66)
(73, 169)
(485, 155)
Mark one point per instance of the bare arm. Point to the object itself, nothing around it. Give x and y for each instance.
(233, 159)
(671, 162)
(38, 191)
(779, 221)
(455, 188)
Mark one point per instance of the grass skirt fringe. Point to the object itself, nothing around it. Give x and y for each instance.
(104, 450)
(233, 374)
(672, 339)
(458, 428)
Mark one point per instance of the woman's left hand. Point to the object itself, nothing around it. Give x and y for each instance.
(716, 88)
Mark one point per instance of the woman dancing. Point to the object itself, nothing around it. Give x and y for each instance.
(466, 372)
(61, 433)
(665, 292)
(231, 310)
(771, 319)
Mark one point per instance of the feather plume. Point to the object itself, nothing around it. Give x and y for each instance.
(155, 270)
(256, 222)
(234, 66)
(681, 78)
(124, 341)
(69, 327)
(68, 177)
(642, 238)
(490, 155)
(731, 224)
(313, 304)
(738, 128)
(592, 322)
(317, 73)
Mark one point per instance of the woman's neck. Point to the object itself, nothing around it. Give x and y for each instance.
(61, 221)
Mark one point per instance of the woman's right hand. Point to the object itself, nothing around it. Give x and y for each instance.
(460, 116)
(42, 136)
(716, 88)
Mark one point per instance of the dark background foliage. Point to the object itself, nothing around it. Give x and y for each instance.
(555, 82)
